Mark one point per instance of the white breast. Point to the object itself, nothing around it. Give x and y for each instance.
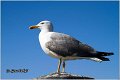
(43, 39)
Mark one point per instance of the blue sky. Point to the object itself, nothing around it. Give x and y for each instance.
(94, 23)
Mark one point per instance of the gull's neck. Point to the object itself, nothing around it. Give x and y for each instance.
(44, 31)
(43, 34)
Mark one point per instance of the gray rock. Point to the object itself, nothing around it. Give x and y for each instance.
(62, 76)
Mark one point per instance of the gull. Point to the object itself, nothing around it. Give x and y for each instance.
(64, 47)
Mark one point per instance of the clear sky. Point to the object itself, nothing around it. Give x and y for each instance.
(94, 23)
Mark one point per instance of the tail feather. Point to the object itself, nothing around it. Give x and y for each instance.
(104, 58)
(104, 53)
(101, 55)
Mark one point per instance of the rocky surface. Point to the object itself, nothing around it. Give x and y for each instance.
(62, 76)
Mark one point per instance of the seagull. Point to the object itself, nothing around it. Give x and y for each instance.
(64, 47)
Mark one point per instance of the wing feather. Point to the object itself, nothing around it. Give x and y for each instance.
(64, 45)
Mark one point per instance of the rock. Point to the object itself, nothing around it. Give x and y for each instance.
(62, 76)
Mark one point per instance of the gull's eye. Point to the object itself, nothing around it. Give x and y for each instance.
(42, 23)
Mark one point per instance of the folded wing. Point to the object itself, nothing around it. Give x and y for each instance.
(64, 45)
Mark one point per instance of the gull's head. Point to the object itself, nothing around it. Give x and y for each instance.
(43, 25)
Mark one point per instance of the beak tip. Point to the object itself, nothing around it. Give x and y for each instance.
(30, 28)
(33, 27)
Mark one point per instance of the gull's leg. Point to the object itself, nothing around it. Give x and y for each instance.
(59, 64)
(63, 70)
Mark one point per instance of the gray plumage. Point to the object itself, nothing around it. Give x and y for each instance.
(65, 46)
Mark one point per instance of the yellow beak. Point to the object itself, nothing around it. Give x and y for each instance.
(33, 27)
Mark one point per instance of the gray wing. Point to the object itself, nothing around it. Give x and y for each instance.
(64, 45)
